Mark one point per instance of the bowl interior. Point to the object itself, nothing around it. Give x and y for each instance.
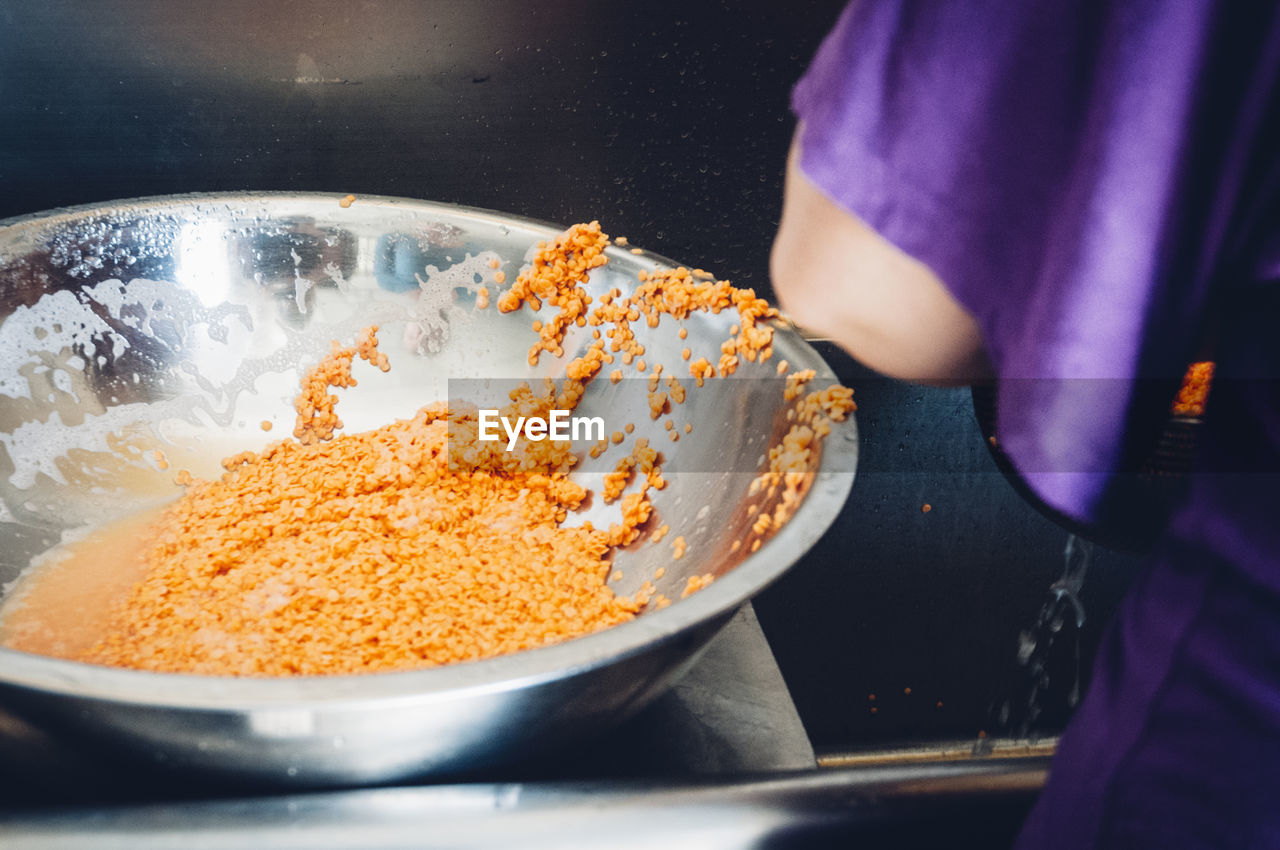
(155, 335)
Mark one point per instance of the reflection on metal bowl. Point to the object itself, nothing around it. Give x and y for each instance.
(182, 323)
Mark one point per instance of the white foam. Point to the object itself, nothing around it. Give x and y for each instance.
(56, 322)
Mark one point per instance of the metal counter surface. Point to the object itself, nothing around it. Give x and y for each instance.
(970, 805)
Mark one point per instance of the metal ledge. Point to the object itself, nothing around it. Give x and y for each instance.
(944, 751)
(977, 798)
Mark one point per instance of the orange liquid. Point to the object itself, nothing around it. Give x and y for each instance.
(61, 607)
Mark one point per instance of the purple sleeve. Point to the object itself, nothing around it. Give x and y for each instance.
(1037, 156)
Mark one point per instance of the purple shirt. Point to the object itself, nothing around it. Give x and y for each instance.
(1098, 183)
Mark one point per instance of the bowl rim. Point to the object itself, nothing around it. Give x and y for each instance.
(822, 504)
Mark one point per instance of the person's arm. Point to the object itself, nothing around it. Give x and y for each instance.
(835, 276)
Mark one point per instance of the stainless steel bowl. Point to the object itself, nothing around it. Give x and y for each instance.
(182, 322)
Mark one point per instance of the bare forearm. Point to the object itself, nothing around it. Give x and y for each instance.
(837, 277)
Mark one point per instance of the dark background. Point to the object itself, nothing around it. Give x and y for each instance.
(668, 122)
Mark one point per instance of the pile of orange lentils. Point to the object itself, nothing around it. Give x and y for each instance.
(415, 545)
